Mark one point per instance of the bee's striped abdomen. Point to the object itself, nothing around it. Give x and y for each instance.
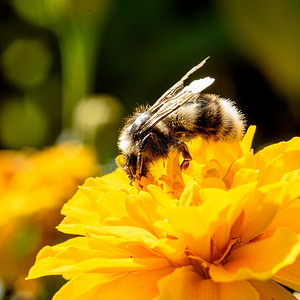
(212, 118)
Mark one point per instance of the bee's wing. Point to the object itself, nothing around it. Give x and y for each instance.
(176, 101)
(167, 96)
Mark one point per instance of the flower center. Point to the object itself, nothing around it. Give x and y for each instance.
(201, 266)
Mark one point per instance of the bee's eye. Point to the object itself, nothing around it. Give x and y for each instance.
(136, 135)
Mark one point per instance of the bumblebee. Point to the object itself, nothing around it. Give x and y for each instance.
(182, 113)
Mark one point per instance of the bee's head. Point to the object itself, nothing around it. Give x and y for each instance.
(129, 138)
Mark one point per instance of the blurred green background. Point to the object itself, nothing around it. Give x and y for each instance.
(75, 68)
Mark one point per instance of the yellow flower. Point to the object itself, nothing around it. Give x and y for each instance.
(226, 228)
(41, 178)
(33, 187)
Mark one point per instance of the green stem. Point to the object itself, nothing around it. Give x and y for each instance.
(79, 43)
(76, 74)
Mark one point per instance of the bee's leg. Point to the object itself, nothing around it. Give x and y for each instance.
(183, 149)
(131, 176)
(129, 169)
(139, 165)
(139, 162)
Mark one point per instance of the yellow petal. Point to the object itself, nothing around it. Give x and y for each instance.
(83, 206)
(162, 198)
(70, 253)
(88, 254)
(260, 210)
(173, 249)
(190, 195)
(222, 152)
(244, 176)
(112, 204)
(293, 144)
(269, 290)
(185, 284)
(172, 179)
(255, 225)
(83, 286)
(193, 171)
(245, 162)
(113, 265)
(259, 260)
(237, 198)
(195, 225)
(131, 234)
(136, 285)
(50, 266)
(290, 275)
(246, 143)
(131, 286)
(115, 179)
(289, 217)
(291, 190)
(70, 227)
(284, 163)
(212, 182)
(272, 158)
(238, 290)
(265, 156)
(291, 176)
(143, 208)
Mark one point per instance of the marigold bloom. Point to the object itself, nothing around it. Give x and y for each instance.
(226, 228)
(33, 187)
